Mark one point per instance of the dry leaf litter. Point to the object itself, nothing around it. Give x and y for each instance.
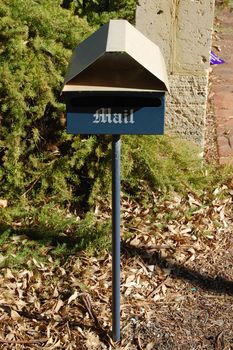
(176, 284)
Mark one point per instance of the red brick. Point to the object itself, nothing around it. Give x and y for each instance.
(223, 91)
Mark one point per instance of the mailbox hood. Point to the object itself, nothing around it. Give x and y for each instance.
(117, 57)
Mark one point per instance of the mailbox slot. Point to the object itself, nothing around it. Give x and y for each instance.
(116, 99)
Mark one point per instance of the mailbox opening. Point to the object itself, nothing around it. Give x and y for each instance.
(115, 100)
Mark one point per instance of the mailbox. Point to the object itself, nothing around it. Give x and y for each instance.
(116, 83)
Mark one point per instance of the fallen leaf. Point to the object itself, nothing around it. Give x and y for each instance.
(73, 297)
(58, 305)
(15, 316)
(92, 341)
(150, 346)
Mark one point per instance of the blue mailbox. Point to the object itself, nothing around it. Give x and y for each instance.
(115, 113)
(116, 83)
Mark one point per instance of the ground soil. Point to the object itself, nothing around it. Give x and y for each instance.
(176, 284)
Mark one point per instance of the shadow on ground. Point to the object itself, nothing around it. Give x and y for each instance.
(205, 282)
(76, 243)
(50, 237)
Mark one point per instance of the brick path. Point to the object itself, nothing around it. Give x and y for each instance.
(223, 87)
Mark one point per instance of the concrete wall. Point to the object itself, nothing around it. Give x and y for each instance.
(182, 29)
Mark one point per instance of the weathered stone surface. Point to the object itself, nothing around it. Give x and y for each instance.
(193, 26)
(182, 29)
(186, 106)
(155, 20)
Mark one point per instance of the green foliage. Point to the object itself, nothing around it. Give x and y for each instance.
(165, 163)
(39, 162)
(224, 3)
(16, 250)
(36, 48)
(99, 12)
(27, 233)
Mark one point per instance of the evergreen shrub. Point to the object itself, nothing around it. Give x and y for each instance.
(99, 12)
(37, 38)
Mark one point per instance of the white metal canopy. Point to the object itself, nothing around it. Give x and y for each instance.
(117, 57)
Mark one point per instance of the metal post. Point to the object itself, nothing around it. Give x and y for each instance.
(116, 151)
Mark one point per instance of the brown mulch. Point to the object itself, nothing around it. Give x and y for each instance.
(176, 284)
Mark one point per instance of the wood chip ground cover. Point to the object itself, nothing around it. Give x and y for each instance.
(176, 284)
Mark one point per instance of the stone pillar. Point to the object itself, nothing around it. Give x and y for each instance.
(183, 30)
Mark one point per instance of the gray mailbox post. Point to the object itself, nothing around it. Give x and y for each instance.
(116, 84)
